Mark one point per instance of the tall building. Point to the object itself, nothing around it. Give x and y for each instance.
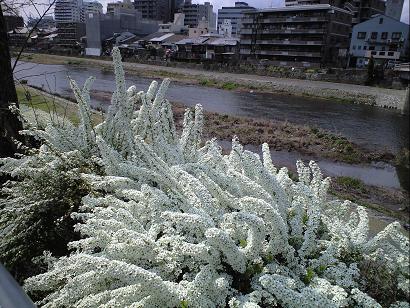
(381, 37)
(100, 27)
(68, 11)
(126, 4)
(394, 8)
(362, 10)
(162, 10)
(194, 13)
(307, 36)
(235, 14)
(93, 7)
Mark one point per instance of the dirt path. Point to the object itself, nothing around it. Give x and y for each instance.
(355, 93)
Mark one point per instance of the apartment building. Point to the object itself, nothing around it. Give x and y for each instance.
(100, 27)
(68, 11)
(70, 33)
(162, 10)
(394, 8)
(308, 36)
(194, 13)
(124, 5)
(69, 18)
(93, 7)
(234, 14)
(362, 10)
(381, 37)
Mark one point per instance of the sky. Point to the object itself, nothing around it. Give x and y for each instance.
(259, 4)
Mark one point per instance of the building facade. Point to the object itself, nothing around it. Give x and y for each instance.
(307, 36)
(68, 11)
(162, 10)
(13, 22)
(235, 14)
(69, 18)
(93, 7)
(125, 5)
(381, 37)
(100, 27)
(394, 8)
(70, 33)
(194, 13)
(362, 10)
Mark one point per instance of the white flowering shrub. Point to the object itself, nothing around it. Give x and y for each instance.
(172, 222)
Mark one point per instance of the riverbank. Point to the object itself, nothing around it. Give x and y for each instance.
(337, 92)
(281, 136)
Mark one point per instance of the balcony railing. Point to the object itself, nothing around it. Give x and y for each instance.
(293, 19)
(288, 53)
(247, 31)
(292, 31)
(288, 42)
(245, 51)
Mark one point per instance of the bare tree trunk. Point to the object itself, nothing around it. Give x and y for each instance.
(9, 122)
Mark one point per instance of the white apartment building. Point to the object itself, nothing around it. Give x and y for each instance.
(66, 11)
(233, 13)
(195, 12)
(93, 7)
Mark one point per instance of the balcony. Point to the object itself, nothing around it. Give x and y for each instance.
(248, 31)
(386, 42)
(293, 31)
(288, 42)
(390, 55)
(288, 53)
(292, 19)
(245, 51)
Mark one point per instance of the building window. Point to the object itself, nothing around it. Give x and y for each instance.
(354, 47)
(382, 53)
(384, 35)
(374, 36)
(371, 47)
(396, 35)
(364, 47)
(361, 35)
(390, 53)
(380, 21)
(374, 53)
(359, 47)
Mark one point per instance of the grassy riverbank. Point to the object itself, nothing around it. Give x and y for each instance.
(281, 136)
(334, 92)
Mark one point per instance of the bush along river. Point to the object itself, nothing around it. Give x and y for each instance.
(364, 148)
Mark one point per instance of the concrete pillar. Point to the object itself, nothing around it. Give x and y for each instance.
(405, 109)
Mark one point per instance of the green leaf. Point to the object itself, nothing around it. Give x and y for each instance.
(309, 276)
(243, 243)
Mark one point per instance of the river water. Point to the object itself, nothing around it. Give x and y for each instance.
(373, 128)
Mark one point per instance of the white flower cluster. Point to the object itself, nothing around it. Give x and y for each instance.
(175, 223)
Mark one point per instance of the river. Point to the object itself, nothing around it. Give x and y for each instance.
(372, 127)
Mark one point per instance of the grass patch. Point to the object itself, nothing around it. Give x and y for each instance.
(348, 183)
(229, 86)
(36, 100)
(207, 83)
(73, 62)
